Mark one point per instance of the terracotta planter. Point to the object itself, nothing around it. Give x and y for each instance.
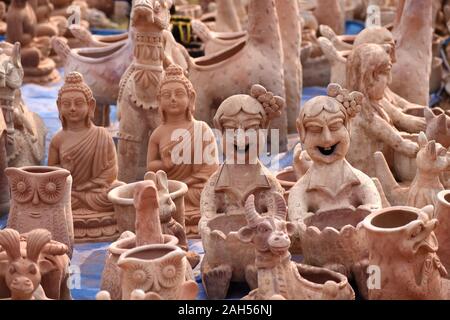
(222, 245)
(122, 198)
(35, 193)
(333, 239)
(442, 213)
(402, 247)
(161, 269)
(111, 280)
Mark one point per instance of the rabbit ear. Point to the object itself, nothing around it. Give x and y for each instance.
(162, 180)
(422, 140)
(150, 176)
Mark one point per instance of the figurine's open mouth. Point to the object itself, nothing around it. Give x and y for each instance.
(327, 151)
(243, 149)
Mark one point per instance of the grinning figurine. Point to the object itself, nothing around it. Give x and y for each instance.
(331, 183)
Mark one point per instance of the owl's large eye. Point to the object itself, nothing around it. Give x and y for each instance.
(51, 190)
(140, 276)
(172, 273)
(21, 189)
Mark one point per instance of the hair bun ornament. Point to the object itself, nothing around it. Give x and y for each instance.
(272, 104)
(351, 101)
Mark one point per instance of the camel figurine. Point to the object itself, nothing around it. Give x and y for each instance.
(431, 162)
(291, 38)
(413, 32)
(23, 132)
(104, 66)
(256, 59)
(88, 40)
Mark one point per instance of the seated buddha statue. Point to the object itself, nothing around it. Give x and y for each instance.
(22, 27)
(181, 146)
(88, 152)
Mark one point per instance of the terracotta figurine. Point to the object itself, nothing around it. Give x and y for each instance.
(52, 262)
(88, 152)
(22, 23)
(223, 198)
(278, 276)
(40, 198)
(376, 127)
(413, 32)
(28, 269)
(180, 135)
(329, 201)
(431, 163)
(137, 100)
(403, 247)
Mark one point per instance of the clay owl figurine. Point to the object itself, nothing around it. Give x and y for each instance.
(40, 198)
(161, 269)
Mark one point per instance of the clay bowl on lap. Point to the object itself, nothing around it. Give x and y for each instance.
(334, 238)
(287, 179)
(223, 247)
(122, 198)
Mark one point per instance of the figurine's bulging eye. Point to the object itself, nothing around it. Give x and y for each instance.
(21, 190)
(32, 269)
(12, 269)
(51, 190)
(171, 273)
(141, 276)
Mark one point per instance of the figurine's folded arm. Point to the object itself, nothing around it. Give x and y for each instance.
(154, 163)
(381, 129)
(53, 154)
(405, 121)
(369, 196)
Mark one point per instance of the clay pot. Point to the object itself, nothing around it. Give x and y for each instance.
(222, 246)
(122, 199)
(402, 248)
(160, 269)
(287, 179)
(40, 199)
(442, 213)
(111, 280)
(333, 239)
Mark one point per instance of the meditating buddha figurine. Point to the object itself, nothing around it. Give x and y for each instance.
(88, 152)
(181, 146)
(22, 27)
